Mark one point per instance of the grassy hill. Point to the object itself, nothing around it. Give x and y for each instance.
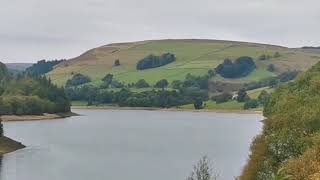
(193, 56)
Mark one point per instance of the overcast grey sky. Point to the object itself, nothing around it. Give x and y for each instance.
(48, 29)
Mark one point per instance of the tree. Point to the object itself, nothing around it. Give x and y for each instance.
(271, 68)
(42, 67)
(202, 170)
(242, 95)
(107, 80)
(116, 84)
(211, 73)
(117, 62)
(176, 84)
(163, 83)
(142, 84)
(78, 79)
(198, 104)
(252, 103)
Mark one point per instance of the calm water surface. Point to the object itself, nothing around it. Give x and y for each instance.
(129, 145)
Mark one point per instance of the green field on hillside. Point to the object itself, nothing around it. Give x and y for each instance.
(193, 56)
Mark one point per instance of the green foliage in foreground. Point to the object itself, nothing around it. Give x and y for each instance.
(290, 142)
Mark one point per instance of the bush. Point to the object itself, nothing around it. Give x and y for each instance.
(153, 61)
(239, 68)
(221, 98)
(78, 79)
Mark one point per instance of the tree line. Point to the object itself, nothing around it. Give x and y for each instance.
(289, 145)
(30, 94)
(184, 92)
(42, 67)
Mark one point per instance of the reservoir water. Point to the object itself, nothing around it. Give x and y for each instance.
(129, 145)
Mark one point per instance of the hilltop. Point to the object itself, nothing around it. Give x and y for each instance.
(192, 56)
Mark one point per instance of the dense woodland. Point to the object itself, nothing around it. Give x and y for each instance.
(30, 95)
(153, 61)
(289, 147)
(42, 67)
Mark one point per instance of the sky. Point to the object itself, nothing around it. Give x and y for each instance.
(31, 30)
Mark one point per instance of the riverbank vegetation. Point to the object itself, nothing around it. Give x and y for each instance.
(30, 95)
(290, 143)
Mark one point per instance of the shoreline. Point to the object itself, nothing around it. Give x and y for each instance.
(8, 145)
(168, 109)
(45, 116)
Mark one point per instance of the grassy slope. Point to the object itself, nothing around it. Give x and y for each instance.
(193, 56)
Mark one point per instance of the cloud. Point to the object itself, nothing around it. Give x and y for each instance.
(35, 29)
